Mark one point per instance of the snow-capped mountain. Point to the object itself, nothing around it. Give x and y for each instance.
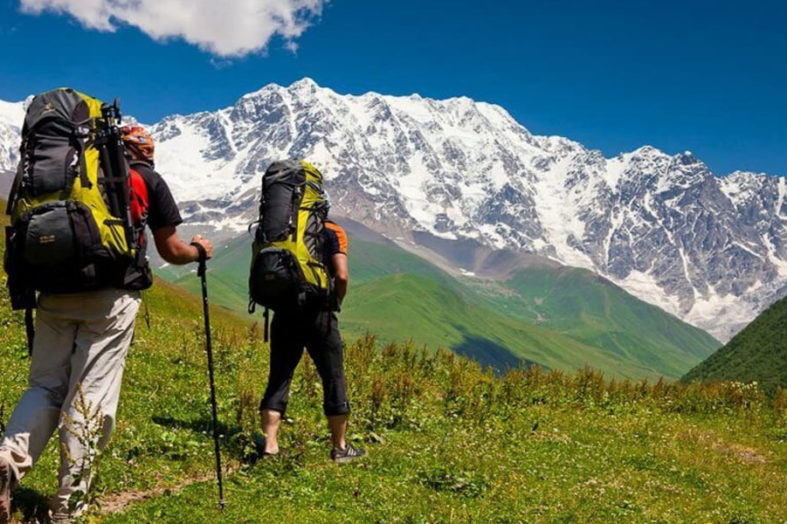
(711, 250)
(11, 117)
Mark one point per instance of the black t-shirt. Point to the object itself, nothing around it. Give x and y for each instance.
(162, 210)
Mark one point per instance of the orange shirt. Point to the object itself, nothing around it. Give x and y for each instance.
(336, 239)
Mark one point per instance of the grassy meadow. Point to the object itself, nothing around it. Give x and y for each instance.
(448, 441)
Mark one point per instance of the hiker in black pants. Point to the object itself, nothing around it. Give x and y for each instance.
(318, 331)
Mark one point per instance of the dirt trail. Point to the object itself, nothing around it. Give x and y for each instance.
(117, 502)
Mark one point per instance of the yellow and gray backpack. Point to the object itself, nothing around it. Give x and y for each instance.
(70, 226)
(288, 270)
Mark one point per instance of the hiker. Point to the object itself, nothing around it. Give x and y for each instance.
(304, 316)
(81, 336)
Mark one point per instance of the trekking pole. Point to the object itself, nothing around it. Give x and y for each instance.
(201, 272)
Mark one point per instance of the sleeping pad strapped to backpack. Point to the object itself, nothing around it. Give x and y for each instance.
(287, 267)
(70, 227)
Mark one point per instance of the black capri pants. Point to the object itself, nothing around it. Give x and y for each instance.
(318, 331)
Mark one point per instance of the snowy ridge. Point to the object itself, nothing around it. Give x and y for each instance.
(710, 250)
(11, 117)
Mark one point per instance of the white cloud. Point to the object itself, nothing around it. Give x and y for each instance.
(227, 28)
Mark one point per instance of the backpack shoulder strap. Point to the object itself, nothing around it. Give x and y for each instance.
(9, 207)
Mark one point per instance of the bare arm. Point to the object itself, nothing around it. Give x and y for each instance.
(341, 277)
(174, 250)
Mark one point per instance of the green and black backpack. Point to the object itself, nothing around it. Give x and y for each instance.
(70, 226)
(288, 271)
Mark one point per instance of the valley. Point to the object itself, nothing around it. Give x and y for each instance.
(541, 313)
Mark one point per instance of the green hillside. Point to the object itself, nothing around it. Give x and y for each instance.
(558, 317)
(409, 307)
(758, 353)
(229, 275)
(464, 445)
(589, 308)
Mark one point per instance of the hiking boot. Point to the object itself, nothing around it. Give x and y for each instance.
(349, 453)
(61, 519)
(6, 481)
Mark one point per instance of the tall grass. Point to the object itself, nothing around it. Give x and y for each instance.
(399, 386)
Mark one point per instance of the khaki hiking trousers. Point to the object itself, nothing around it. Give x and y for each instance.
(77, 365)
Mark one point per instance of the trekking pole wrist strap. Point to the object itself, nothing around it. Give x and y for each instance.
(202, 255)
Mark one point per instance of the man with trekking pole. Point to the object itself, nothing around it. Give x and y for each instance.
(85, 192)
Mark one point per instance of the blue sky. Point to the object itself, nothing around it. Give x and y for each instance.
(707, 76)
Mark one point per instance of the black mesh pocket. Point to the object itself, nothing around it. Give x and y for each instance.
(313, 236)
(53, 162)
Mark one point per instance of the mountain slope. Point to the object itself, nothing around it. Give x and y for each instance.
(758, 353)
(710, 250)
(558, 317)
(589, 308)
(406, 307)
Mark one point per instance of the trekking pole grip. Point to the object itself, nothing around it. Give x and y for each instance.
(203, 257)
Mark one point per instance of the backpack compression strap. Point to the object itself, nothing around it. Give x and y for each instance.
(30, 329)
(265, 319)
(266, 315)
